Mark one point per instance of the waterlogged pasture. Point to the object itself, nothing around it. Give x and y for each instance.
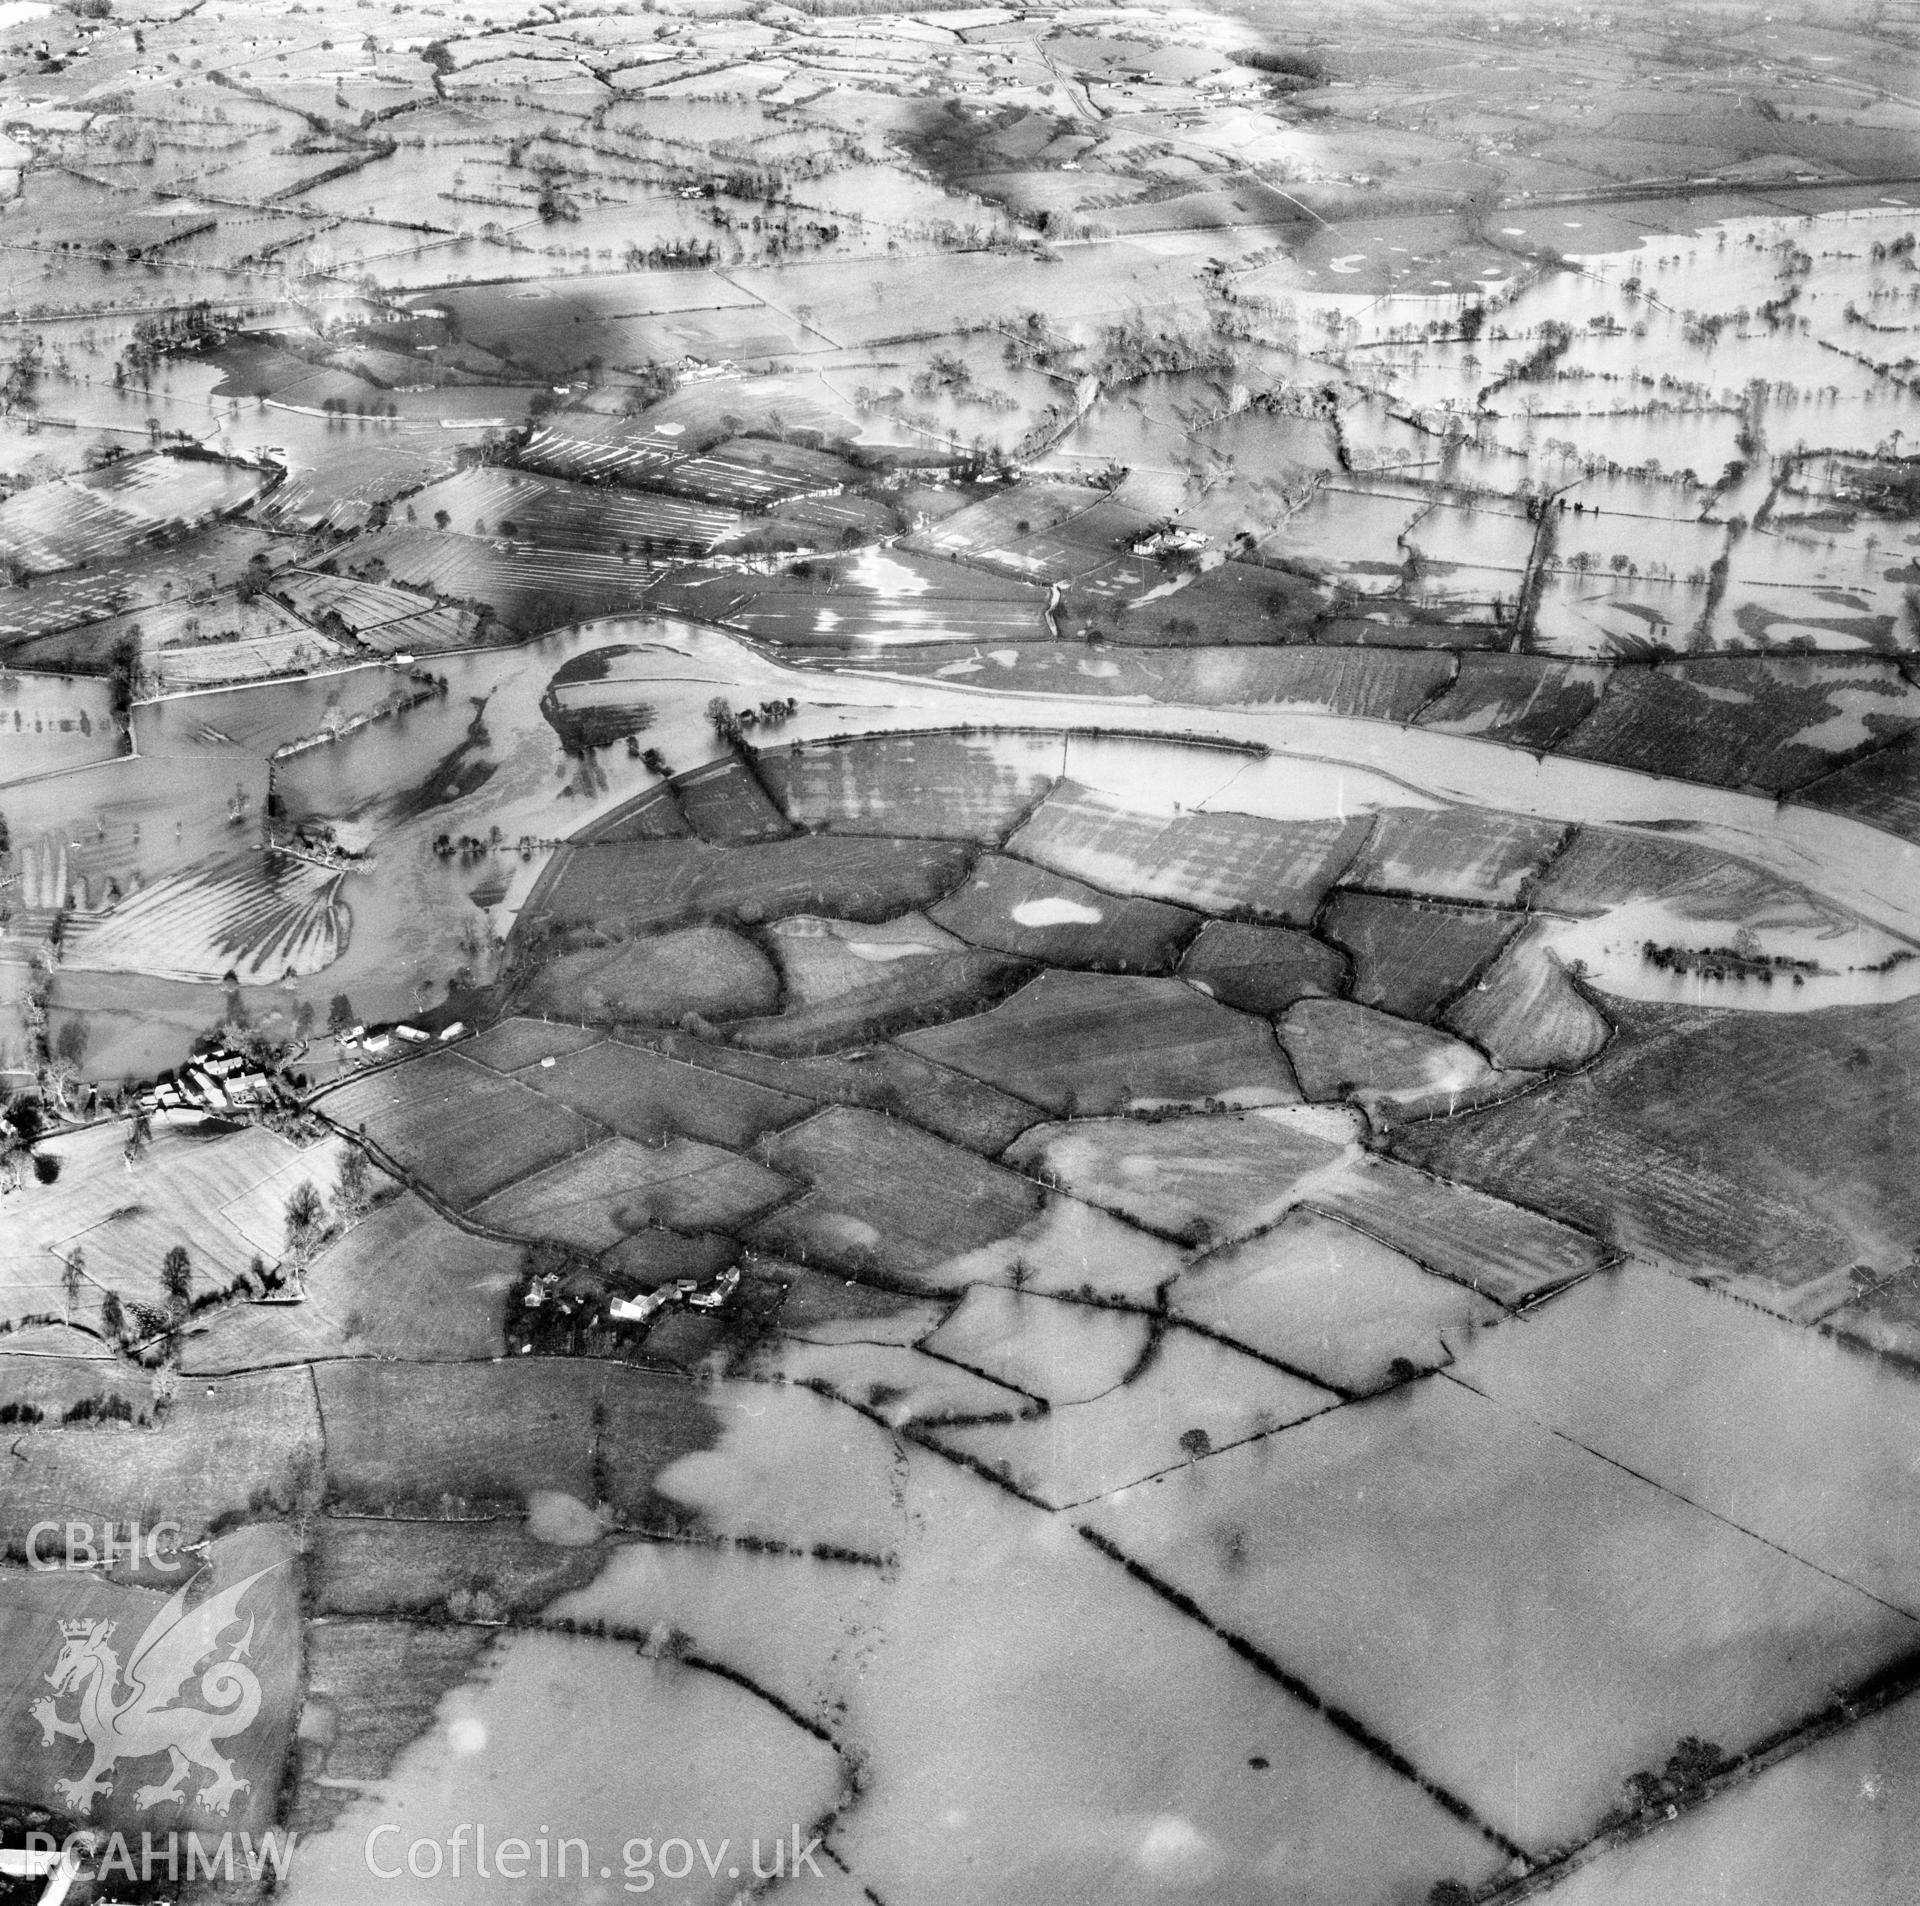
(592, 1735)
(1832, 1826)
(1526, 1623)
(1774, 1429)
(1033, 1648)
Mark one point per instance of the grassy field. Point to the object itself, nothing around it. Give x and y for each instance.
(939, 786)
(1526, 1013)
(1263, 969)
(218, 1189)
(887, 1079)
(513, 506)
(402, 1282)
(379, 1567)
(380, 1684)
(1883, 790)
(1202, 1179)
(846, 985)
(1601, 869)
(885, 1200)
(1505, 1251)
(1528, 700)
(644, 1095)
(53, 1368)
(1218, 863)
(1317, 1295)
(723, 803)
(1052, 1044)
(1396, 1068)
(529, 587)
(659, 883)
(463, 1129)
(224, 1448)
(1411, 956)
(602, 1195)
(658, 979)
(1773, 724)
(449, 1439)
(822, 960)
(1456, 853)
(520, 1040)
(1019, 908)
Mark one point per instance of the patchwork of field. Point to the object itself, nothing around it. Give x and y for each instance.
(465, 1130)
(1052, 1044)
(1690, 1145)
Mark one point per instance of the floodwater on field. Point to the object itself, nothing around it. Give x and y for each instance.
(1526, 1623)
(562, 1736)
(1033, 1724)
(1836, 1825)
(48, 722)
(1158, 777)
(1790, 1435)
(1852, 964)
(414, 922)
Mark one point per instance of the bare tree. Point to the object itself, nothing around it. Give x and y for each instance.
(303, 1219)
(176, 1279)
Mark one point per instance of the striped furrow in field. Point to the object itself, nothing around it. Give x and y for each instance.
(260, 916)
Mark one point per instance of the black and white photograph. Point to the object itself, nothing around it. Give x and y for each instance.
(959, 955)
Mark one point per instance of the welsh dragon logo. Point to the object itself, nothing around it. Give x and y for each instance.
(148, 1716)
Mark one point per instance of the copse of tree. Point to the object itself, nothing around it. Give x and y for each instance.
(1286, 65)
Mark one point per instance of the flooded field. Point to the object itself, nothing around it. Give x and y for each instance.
(978, 953)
